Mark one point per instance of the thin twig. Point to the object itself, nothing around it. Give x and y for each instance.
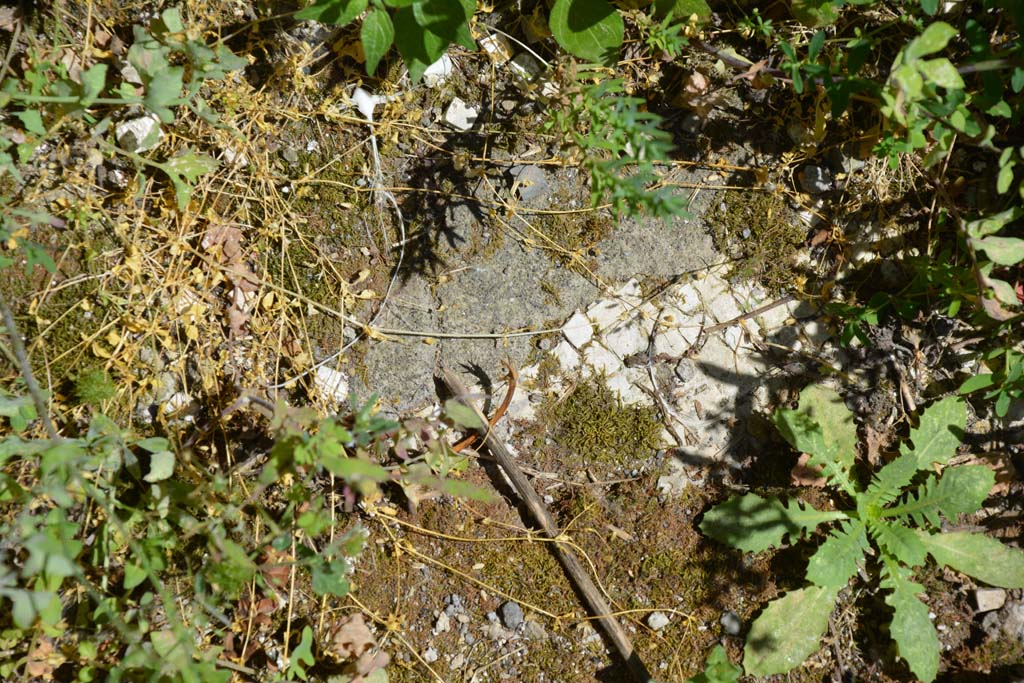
(34, 389)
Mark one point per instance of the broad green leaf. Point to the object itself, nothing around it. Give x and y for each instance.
(815, 12)
(27, 606)
(462, 415)
(163, 91)
(161, 466)
(837, 559)
(153, 444)
(419, 48)
(589, 29)
(932, 39)
(184, 170)
(331, 578)
(133, 576)
(682, 10)
(752, 523)
(356, 469)
(994, 223)
(93, 81)
(978, 556)
(32, 119)
(822, 426)
(916, 639)
(983, 381)
(377, 34)
(937, 437)
(960, 490)
(171, 20)
(788, 631)
(941, 72)
(1006, 251)
(718, 669)
(898, 541)
(337, 12)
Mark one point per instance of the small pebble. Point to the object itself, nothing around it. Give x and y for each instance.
(730, 623)
(511, 614)
(657, 620)
(430, 655)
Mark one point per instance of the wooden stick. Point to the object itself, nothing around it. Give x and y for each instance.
(593, 598)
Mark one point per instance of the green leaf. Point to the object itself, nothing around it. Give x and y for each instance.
(357, 469)
(32, 119)
(153, 444)
(718, 669)
(916, 639)
(837, 559)
(887, 485)
(133, 576)
(164, 91)
(977, 382)
(93, 81)
(462, 415)
(815, 12)
(589, 29)
(932, 39)
(377, 34)
(822, 426)
(161, 466)
(978, 556)
(336, 12)
(788, 631)
(938, 436)
(960, 490)
(752, 523)
(898, 541)
(184, 170)
(331, 578)
(682, 10)
(419, 48)
(302, 655)
(1006, 251)
(941, 72)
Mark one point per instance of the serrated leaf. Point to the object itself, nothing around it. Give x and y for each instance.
(837, 559)
(589, 29)
(898, 541)
(937, 437)
(752, 523)
(916, 639)
(336, 12)
(932, 39)
(960, 490)
(1006, 251)
(331, 578)
(377, 34)
(822, 426)
(887, 485)
(161, 466)
(788, 631)
(978, 556)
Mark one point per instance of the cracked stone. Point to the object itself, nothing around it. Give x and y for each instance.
(568, 357)
(600, 360)
(578, 330)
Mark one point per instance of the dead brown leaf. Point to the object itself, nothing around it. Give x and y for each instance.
(803, 474)
(352, 638)
(43, 659)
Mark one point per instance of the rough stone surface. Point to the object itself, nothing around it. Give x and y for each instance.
(815, 179)
(578, 330)
(331, 384)
(989, 599)
(460, 115)
(530, 182)
(731, 623)
(139, 134)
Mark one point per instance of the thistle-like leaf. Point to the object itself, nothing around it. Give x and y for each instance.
(822, 426)
(916, 639)
(888, 483)
(788, 631)
(937, 437)
(898, 541)
(977, 555)
(837, 559)
(959, 490)
(752, 523)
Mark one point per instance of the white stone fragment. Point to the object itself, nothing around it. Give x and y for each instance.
(497, 47)
(578, 330)
(568, 357)
(460, 115)
(733, 336)
(599, 360)
(235, 158)
(438, 72)
(630, 292)
(626, 390)
(676, 341)
(657, 620)
(989, 599)
(139, 134)
(626, 338)
(605, 313)
(331, 384)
